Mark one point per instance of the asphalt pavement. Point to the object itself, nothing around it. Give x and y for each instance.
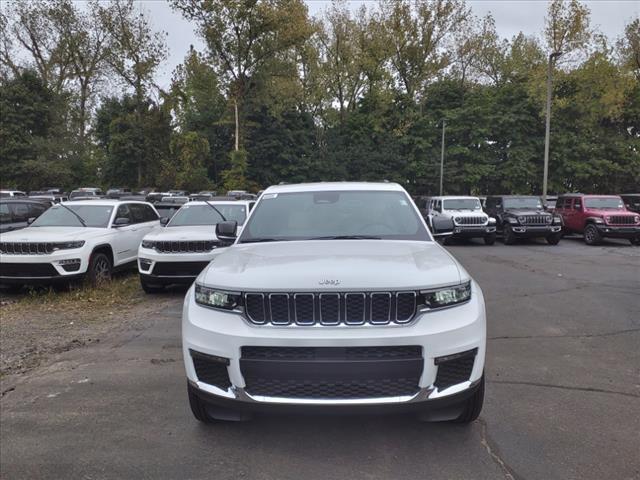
(562, 398)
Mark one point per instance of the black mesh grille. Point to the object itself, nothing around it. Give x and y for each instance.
(470, 220)
(27, 270)
(26, 248)
(319, 390)
(211, 370)
(179, 269)
(456, 370)
(348, 353)
(621, 220)
(537, 219)
(351, 308)
(191, 246)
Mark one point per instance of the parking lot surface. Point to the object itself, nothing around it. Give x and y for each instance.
(562, 399)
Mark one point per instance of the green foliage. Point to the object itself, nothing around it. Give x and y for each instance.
(234, 178)
(189, 151)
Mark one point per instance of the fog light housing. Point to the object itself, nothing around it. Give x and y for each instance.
(70, 265)
(144, 263)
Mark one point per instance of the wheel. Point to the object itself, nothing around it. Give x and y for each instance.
(508, 235)
(554, 239)
(99, 270)
(592, 235)
(198, 407)
(151, 288)
(473, 406)
(490, 239)
(635, 241)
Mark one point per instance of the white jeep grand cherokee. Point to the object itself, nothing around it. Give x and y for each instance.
(74, 240)
(177, 253)
(334, 296)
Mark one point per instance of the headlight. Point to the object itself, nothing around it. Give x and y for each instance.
(608, 219)
(446, 297)
(210, 297)
(522, 219)
(598, 220)
(636, 219)
(68, 245)
(148, 244)
(492, 221)
(457, 219)
(512, 220)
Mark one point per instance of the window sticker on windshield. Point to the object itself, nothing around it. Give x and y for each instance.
(403, 203)
(269, 196)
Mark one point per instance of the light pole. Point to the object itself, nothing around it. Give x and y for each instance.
(442, 156)
(547, 135)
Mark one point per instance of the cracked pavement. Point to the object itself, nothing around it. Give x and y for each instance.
(562, 398)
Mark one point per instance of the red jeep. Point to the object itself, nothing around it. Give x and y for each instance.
(597, 217)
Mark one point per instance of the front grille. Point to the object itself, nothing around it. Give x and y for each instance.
(621, 220)
(198, 246)
(26, 248)
(537, 219)
(332, 372)
(27, 270)
(348, 308)
(456, 370)
(211, 369)
(469, 220)
(179, 269)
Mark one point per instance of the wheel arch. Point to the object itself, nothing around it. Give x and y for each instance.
(106, 249)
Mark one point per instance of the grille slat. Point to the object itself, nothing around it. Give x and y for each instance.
(330, 309)
(621, 220)
(537, 219)
(470, 221)
(190, 246)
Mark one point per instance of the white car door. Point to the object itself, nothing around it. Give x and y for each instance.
(125, 240)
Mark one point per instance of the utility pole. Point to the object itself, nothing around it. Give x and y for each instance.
(442, 156)
(547, 135)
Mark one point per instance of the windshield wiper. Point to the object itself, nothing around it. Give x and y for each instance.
(217, 211)
(347, 237)
(77, 216)
(259, 240)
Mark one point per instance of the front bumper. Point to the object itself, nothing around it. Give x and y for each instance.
(611, 231)
(171, 268)
(43, 269)
(439, 334)
(471, 231)
(526, 231)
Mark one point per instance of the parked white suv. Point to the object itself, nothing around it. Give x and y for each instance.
(73, 240)
(469, 220)
(177, 253)
(334, 296)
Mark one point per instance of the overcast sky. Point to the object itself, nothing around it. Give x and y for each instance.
(511, 17)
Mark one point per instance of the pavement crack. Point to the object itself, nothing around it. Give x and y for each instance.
(565, 387)
(493, 452)
(585, 335)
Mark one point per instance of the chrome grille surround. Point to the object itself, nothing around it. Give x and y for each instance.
(331, 308)
(184, 246)
(27, 248)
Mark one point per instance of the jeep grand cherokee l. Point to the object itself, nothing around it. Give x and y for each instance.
(334, 296)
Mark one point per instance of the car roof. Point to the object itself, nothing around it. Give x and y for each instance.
(588, 195)
(333, 186)
(513, 196)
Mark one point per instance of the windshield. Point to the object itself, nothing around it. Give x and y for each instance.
(205, 215)
(57, 216)
(523, 202)
(462, 204)
(327, 215)
(604, 203)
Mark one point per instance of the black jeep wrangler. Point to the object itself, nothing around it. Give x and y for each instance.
(520, 216)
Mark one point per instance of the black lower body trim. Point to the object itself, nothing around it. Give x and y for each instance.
(162, 280)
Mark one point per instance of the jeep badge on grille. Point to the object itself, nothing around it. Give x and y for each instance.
(327, 282)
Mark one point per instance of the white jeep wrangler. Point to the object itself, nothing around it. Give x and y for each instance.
(469, 221)
(334, 296)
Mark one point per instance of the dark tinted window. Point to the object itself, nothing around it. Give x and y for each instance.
(37, 210)
(20, 211)
(5, 214)
(137, 213)
(149, 213)
(124, 212)
(577, 204)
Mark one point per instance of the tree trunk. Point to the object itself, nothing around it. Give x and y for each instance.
(235, 108)
(547, 135)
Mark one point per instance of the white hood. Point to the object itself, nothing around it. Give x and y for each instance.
(318, 265)
(53, 234)
(191, 233)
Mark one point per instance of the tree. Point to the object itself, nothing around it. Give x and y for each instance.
(188, 151)
(629, 47)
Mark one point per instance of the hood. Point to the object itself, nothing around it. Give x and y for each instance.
(526, 211)
(191, 233)
(333, 265)
(52, 234)
(608, 213)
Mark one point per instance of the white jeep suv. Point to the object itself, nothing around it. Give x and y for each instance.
(177, 253)
(334, 296)
(74, 240)
(469, 221)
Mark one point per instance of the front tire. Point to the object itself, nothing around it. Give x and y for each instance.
(508, 235)
(490, 239)
(592, 235)
(554, 239)
(473, 406)
(100, 269)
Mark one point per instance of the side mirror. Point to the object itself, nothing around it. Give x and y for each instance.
(30, 220)
(226, 231)
(441, 226)
(121, 222)
(164, 221)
